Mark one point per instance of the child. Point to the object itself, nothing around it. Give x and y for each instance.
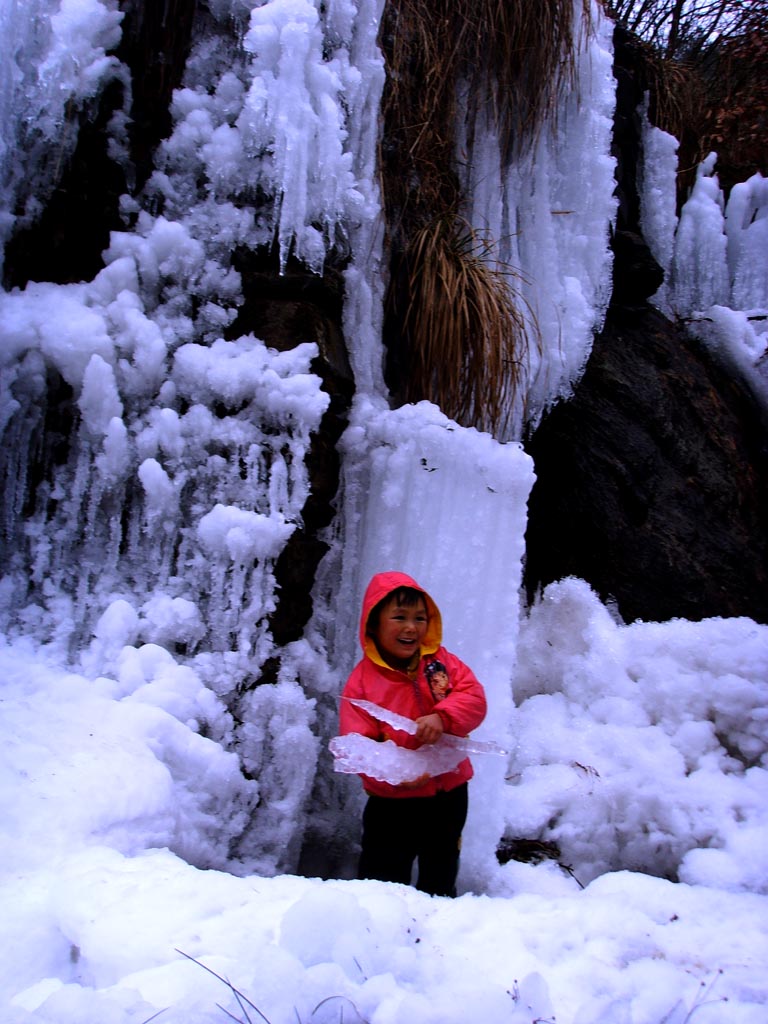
(405, 669)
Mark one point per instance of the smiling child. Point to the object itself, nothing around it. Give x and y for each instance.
(406, 669)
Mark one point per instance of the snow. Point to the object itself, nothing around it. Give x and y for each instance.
(118, 810)
(673, 784)
(155, 802)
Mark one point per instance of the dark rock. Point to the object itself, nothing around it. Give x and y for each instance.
(652, 481)
(155, 45)
(284, 310)
(66, 241)
(297, 564)
(641, 276)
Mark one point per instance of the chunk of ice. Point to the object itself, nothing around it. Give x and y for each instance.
(359, 755)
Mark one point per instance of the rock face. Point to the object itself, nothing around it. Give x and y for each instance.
(284, 310)
(652, 481)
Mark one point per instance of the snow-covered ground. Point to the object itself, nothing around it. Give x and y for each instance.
(111, 796)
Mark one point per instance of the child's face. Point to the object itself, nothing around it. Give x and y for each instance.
(400, 631)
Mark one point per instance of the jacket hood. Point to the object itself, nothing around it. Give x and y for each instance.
(384, 583)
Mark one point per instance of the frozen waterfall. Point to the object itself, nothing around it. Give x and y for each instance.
(154, 467)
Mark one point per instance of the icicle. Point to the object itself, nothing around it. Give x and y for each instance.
(746, 221)
(699, 269)
(400, 722)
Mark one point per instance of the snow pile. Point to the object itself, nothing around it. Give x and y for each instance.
(643, 746)
(106, 784)
(119, 762)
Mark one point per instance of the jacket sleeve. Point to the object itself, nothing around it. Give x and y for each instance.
(465, 706)
(352, 719)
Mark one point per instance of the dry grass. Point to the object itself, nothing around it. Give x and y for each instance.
(675, 91)
(466, 336)
(704, 68)
(513, 59)
(453, 312)
(717, 101)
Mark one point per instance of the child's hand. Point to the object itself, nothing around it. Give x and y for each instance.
(429, 728)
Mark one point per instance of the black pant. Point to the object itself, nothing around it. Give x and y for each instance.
(398, 831)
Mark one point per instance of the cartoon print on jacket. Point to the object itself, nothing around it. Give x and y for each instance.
(437, 676)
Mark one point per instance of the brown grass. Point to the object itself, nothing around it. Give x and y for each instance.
(455, 314)
(466, 335)
(513, 58)
(705, 75)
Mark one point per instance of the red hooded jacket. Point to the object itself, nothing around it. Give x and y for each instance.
(410, 693)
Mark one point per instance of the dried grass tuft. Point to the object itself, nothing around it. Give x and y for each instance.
(466, 335)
